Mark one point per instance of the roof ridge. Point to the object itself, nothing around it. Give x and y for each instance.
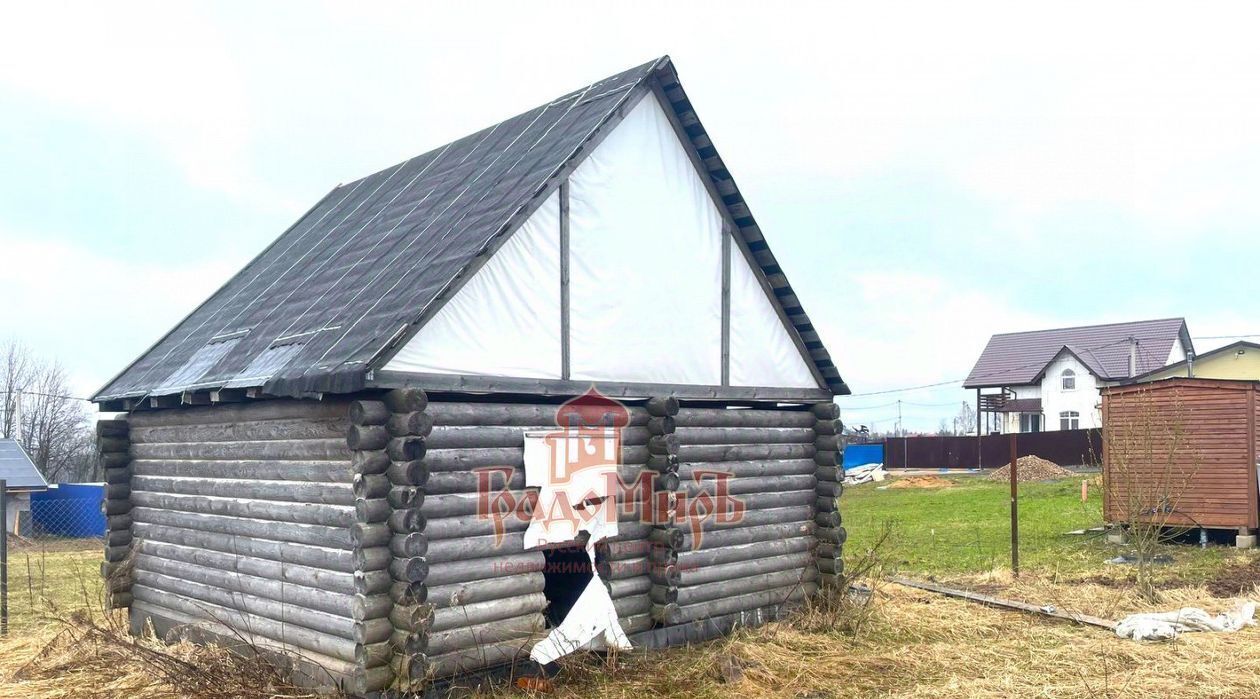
(1082, 327)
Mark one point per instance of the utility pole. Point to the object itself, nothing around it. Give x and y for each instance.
(900, 429)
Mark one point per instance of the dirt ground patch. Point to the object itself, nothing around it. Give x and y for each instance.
(1031, 468)
(921, 482)
(1235, 580)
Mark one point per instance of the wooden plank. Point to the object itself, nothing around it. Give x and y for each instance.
(990, 601)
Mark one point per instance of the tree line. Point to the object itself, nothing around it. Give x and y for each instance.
(38, 410)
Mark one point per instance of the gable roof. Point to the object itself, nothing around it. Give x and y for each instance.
(17, 469)
(1018, 359)
(1224, 349)
(364, 269)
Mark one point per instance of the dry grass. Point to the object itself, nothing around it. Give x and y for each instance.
(924, 645)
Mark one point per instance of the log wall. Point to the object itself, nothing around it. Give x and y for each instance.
(263, 521)
(746, 538)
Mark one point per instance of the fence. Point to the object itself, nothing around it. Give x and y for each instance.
(1064, 447)
(861, 454)
(51, 554)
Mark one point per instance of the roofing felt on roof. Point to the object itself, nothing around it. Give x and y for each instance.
(1017, 359)
(370, 262)
(17, 469)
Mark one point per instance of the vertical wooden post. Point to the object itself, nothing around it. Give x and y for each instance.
(726, 304)
(979, 442)
(1014, 505)
(565, 357)
(4, 559)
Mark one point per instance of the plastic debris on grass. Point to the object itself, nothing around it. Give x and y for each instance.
(1165, 626)
(867, 473)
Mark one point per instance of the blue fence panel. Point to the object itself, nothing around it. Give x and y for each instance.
(71, 510)
(861, 454)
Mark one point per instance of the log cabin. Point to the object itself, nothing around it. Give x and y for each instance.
(304, 462)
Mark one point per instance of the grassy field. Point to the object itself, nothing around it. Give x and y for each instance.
(906, 643)
(49, 579)
(964, 529)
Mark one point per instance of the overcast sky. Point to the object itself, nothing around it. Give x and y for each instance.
(927, 175)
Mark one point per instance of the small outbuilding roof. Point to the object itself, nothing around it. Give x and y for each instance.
(375, 259)
(17, 469)
(1018, 359)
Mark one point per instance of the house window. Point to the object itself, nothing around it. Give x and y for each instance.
(1030, 422)
(1069, 420)
(1068, 380)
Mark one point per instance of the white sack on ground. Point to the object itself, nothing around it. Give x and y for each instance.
(1160, 626)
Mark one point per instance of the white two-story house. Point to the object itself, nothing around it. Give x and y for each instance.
(1049, 379)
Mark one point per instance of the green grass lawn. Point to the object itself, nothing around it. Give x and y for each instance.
(965, 529)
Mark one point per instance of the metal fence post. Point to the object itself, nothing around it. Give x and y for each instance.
(4, 558)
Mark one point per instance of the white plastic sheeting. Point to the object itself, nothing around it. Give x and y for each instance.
(645, 283)
(1162, 626)
(592, 621)
(506, 320)
(762, 352)
(646, 260)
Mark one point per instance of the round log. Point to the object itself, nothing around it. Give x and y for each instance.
(408, 594)
(662, 595)
(288, 573)
(828, 442)
(287, 632)
(629, 586)
(829, 489)
(406, 448)
(368, 412)
(751, 469)
(741, 603)
(113, 445)
(410, 570)
(829, 550)
(410, 424)
(274, 409)
(332, 537)
(828, 458)
(257, 489)
(834, 474)
(747, 535)
(826, 411)
(371, 631)
(661, 425)
(461, 593)
(691, 453)
(746, 435)
(408, 473)
(631, 606)
(827, 504)
(408, 643)
(116, 460)
(828, 427)
(484, 612)
(744, 486)
(522, 627)
(834, 535)
(367, 437)
(406, 400)
(690, 561)
(482, 481)
(406, 521)
(663, 463)
(370, 487)
(466, 504)
(827, 519)
(484, 656)
(831, 566)
(369, 462)
(509, 414)
(747, 568)
(664, 445)
(482, 554)
(370, 655)
(412, 619)
(405, 497)
(270, 450)
(319, 557)
(739, 417)
(287, 512)
(249, 431)
(662, 406)
(472, 526)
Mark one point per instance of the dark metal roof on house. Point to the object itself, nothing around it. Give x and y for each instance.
(365, 268)
(1021, 405)
(17, 469)
(1017, 359)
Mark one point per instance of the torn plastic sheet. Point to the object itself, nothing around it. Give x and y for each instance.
(572, 506)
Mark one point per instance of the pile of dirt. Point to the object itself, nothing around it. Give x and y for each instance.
(921, 482)
(1031, 468)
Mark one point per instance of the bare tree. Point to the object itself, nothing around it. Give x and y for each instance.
(1151, 463)
(39, 412)
(965, 421)
(15, 372)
